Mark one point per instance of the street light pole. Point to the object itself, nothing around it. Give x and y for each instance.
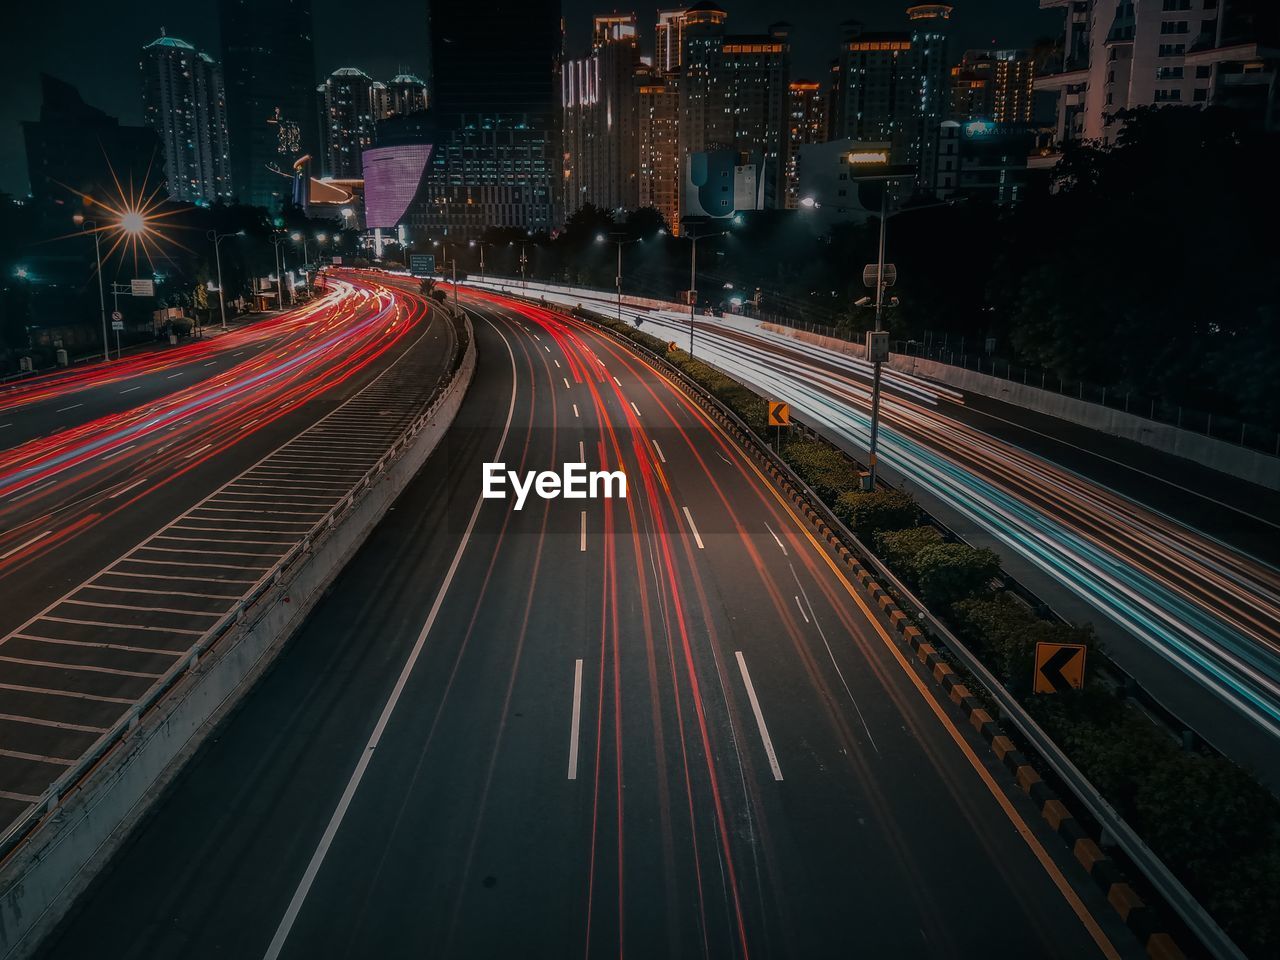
(693, 285)
(217, 239)
(875, 369)
(102, 297)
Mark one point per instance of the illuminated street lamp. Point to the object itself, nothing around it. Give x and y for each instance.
(693, 264)
(92, 227)
(481, 245)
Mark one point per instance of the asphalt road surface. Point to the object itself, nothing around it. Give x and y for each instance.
(665, 726)
(131, 528)
(1173, 564)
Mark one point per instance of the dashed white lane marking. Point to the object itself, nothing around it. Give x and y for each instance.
(782, 546)
(194, 453)
(801, 607)
(575, 726)
(22, 546)
(617, 381)
(659, 449)
(131, 389)
(755, 708)
(575, 410)
(693, 527)
(635, 408)
(172, 376)
(556, 362)
(72, 407)
(31, 491)
(135, 483)
(566, 382)
(582, 536)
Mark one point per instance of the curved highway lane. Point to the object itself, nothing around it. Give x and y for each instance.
(659, 726)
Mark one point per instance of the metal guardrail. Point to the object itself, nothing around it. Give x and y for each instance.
(118, 734)
(1115, 828)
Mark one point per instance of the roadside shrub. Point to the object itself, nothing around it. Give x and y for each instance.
(1006, 632)
(876, 511)
(947, 572)
(824, 468)
(898, 548)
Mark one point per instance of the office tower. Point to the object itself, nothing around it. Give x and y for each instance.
(268, 66)
(994, 85)
(1180, 52)
(349, 106)
(493, 90)
(75, 149)
(406, 94)
(184, 103)
(599, 103)
(659, 143)
(806, 123)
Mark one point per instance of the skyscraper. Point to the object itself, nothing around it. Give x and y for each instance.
(733, 92)
(994, 85)
(895, 86)
(184, 103)
(493, 91)
(659, 142)
(806, 123)
(349, 107)
(406, 94)
(599, 104)
(268, 64)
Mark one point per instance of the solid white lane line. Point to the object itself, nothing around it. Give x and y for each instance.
(72, 407)
(635, 408)
(331, 831)
(566, 382)
(575, 410)
(776, 539)
(755, 708)
(575, 726)
(131, 389)
(22, 546)
(692, 527)
(661, 456)
(801, 606)
(194, 453)
(582, 537)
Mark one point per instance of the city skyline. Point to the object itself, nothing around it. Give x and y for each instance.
(102, 62)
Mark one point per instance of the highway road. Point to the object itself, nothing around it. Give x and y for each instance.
(665, 726)
(144, 498)
(1175, 566)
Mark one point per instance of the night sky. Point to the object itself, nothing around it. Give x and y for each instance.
(95, 45)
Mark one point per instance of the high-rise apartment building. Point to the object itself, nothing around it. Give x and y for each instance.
(600, 117)
(894, 86)
(993, 85)
(806, 123)
(659, 143)
(734, 92)
(1122, 54)
(350, 104)
(406, 94)
(268, 66)
(184, 103)
(668, 37)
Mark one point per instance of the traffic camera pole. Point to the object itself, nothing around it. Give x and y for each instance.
(875, 375)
